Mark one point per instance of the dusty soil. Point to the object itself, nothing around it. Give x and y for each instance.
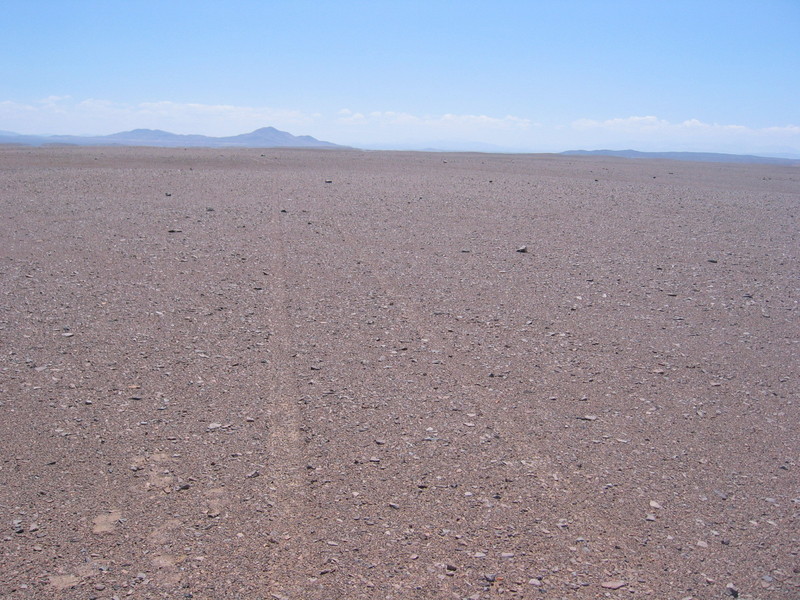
(331, 374)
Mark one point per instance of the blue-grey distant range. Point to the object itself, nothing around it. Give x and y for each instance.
(690, 156)
(266, 137)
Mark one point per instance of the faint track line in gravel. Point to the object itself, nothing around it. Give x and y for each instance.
(289, 550)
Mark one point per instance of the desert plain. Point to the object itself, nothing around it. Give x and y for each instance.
(306, 374)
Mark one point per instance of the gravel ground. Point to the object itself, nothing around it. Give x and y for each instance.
(339, 374)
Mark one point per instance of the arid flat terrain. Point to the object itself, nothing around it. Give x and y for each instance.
(303, 374)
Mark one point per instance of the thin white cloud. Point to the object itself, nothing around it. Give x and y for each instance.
(652, 124)
(444, 122)
(62, 115)
(650, 132)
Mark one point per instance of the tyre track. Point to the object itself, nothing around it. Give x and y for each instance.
(289, 546)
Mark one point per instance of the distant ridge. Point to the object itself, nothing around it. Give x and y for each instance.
(690, 156)
(266, 137)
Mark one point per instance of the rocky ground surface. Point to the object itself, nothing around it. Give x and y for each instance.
(292, 374)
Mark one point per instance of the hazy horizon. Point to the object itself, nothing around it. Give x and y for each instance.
(517, 76)
(435, 146)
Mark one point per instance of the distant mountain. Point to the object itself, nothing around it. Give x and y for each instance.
(266, 137)
(690, 156)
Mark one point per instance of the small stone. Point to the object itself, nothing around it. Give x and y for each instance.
(253, 474)
(732, 590)
(702, 544)
(650, 517)
(394, 505)
(614, 584)
(490, 577)
(506, 555)
(535, 582)
(380, 442)
(214, 426)
(522, 249)
(68, 334)
(588, 418)
(654, 504)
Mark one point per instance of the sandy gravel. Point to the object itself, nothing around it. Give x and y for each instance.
(331, 374)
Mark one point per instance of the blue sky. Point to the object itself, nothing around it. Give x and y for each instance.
(701, 75)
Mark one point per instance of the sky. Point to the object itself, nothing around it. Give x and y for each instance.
(506, 75)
